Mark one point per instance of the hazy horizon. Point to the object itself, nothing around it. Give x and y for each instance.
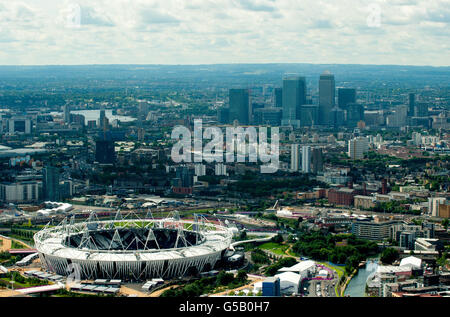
(213, 64)
(175, 32)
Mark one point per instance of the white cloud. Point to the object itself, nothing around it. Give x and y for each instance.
(222, 31)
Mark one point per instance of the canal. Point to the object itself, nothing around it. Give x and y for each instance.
(357, 286)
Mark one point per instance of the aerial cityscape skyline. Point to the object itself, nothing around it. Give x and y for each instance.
(223, 156)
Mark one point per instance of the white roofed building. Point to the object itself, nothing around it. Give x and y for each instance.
(413, 261)
(304, 268)
(289, 283)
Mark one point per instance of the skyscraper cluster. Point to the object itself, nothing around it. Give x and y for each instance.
(290, 106)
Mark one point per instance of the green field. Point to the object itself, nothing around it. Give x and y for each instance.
(273, 247)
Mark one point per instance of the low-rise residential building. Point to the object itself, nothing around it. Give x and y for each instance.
(364, 202)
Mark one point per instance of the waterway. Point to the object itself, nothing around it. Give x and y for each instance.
(357, 285)
(95, 115)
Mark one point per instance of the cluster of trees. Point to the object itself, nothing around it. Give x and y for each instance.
(32, 281)
(258, 256)
(7, 259)
(208, 285)
(242, 236)
(23, 234)
(389, 255)
(277, 239)
(350, 251)
(442, 261)
(394, 206)
(5, 255)
(283, 262)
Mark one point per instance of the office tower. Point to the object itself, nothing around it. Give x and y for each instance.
(66, 114)
(355, 113)
(412, 101)
(142, 110)
(306, 159)
(78, 119)
(103, 121)
(267, 116)
(278, 97)
(421, 110)
(104, 151)
(101, 118)
(337, 117)
(223, 114)
(184, 174)
(295, 157)
(240, 108)
(326, 97)
(21, 125)
(51, 183)
(256, 106)
(141, 134)
(357, 147)
(317, 160)
(309, 115)
(66, 189)
(293, 96)
(398, 119)
(346, 96)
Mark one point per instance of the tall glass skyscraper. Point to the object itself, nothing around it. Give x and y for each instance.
(293, 96)
(278, 97)
(326, 97)
(412, 100)
(355, 113)
(346, 96)
(66, 114)
(51, 184)
(240, 108)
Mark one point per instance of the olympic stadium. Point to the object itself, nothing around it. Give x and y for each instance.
(132, 249)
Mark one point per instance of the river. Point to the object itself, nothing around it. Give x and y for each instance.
(357, 285)
(95, 115)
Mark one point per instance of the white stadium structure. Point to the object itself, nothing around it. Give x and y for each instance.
(132, 249)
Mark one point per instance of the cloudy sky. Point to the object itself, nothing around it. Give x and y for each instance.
(406, 32)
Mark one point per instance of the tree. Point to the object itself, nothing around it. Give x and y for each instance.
(241, 276)
(224, 278)
(445, 223)
(442, 261)
(243, 235)
(389, 255)
(278, 238)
